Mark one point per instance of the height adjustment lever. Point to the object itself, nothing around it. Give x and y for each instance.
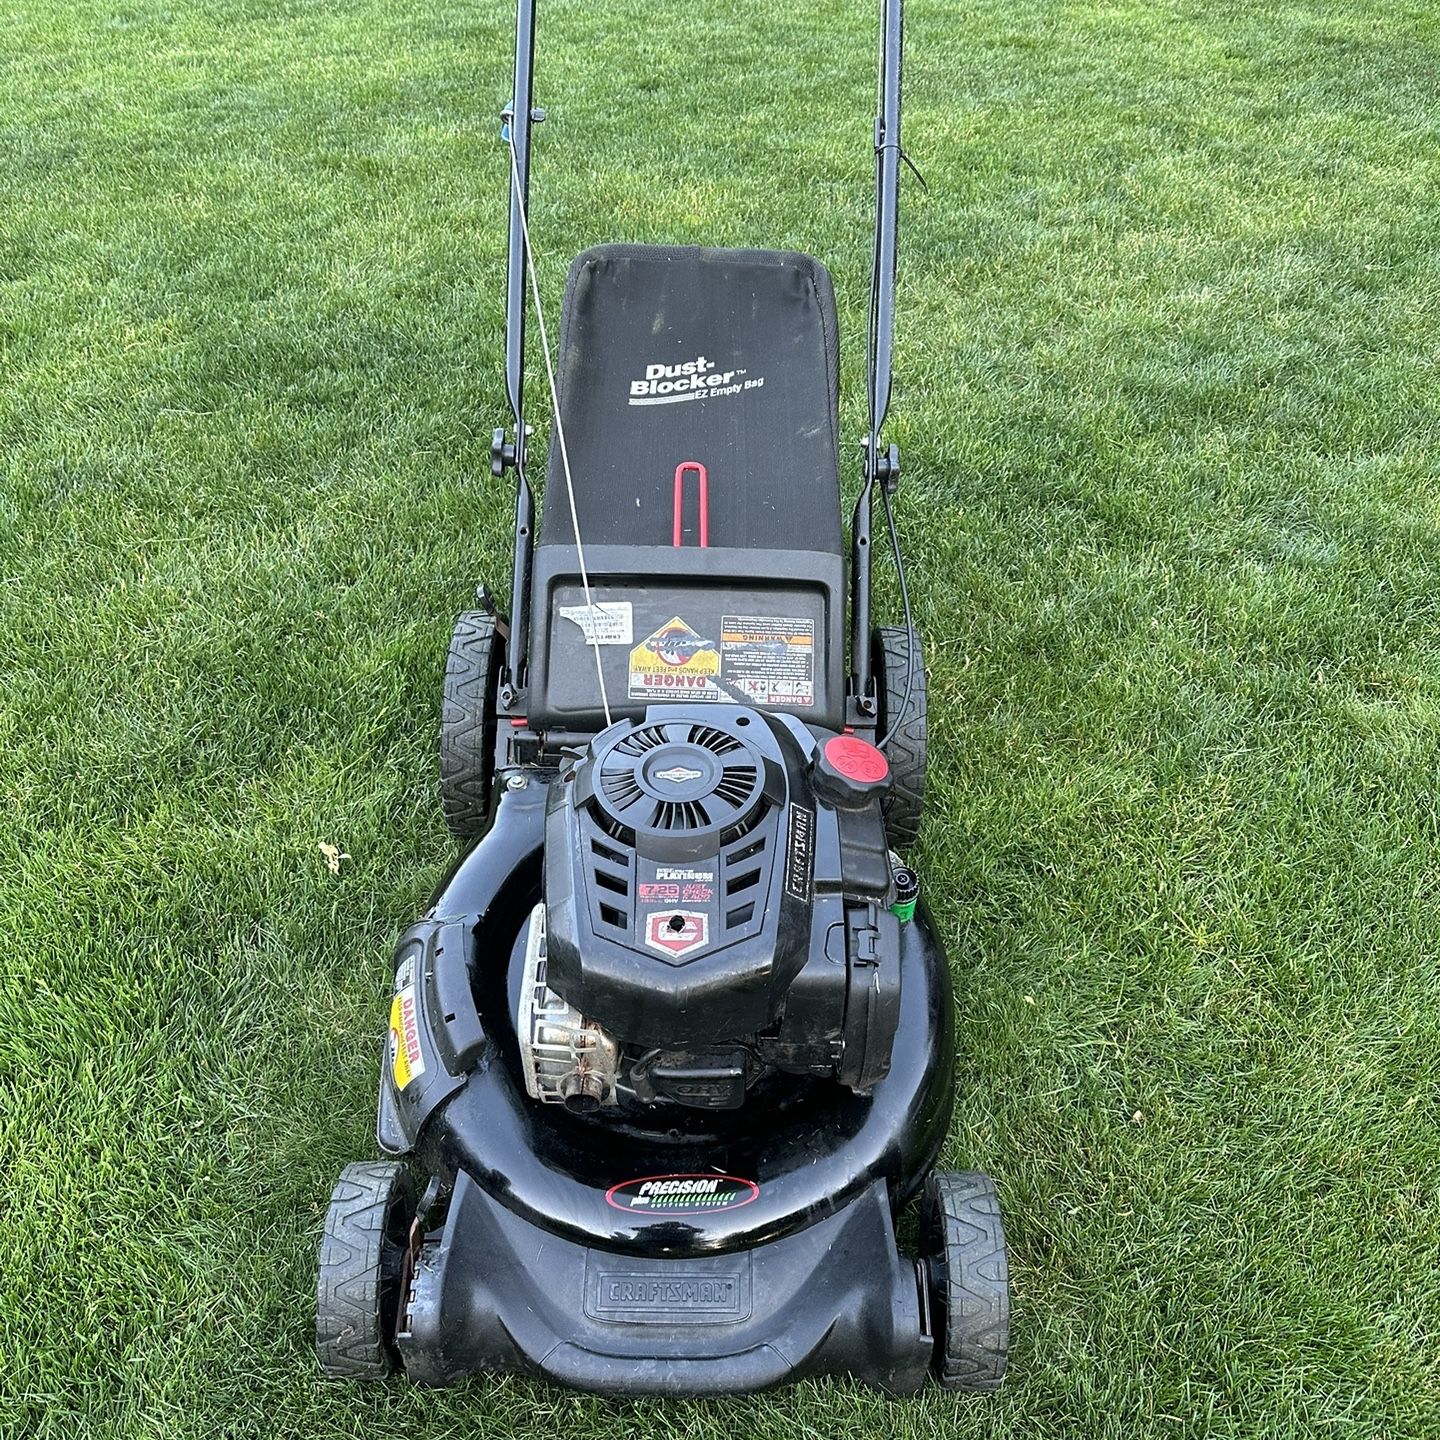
(502, 453)
(886, 468)
(506, 454)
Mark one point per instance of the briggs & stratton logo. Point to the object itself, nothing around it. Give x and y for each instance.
(677, 774)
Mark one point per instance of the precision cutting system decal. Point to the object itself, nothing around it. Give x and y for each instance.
(682, 1194)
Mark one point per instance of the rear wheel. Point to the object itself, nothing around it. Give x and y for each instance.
(964, 1242)
(899, 664)
(362, 1270)
(467, 723)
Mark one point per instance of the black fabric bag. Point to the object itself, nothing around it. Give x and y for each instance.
(728, 358)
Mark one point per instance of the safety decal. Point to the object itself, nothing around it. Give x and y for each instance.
(677, 932)
(682, 1194)
(407, 1060)
(675, 663)
(606, 622)
(768, 659)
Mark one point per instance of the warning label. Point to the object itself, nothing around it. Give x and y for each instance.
(769, 660)
(407, 1060)
(675, 663)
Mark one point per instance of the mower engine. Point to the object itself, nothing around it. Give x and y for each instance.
(716, 885)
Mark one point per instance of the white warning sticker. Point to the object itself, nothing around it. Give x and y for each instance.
(769, 659)
(605, 623)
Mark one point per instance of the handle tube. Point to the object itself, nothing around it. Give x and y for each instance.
(881, 343)
(517, 123)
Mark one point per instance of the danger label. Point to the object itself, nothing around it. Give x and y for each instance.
(677, 932)
(407, 1060)
(675, 663)
(769, 659)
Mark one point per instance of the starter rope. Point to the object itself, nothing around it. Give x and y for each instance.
(592, 630)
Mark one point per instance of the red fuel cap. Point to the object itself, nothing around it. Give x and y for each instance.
(857, 760)
(850, 771)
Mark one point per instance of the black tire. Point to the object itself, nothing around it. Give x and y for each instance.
(964, 1242)
(362, 1263)
(467, 723)
(894, 651)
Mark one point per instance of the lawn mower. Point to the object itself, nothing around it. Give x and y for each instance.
(672, 1046)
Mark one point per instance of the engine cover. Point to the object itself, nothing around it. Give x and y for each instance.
(679, 876)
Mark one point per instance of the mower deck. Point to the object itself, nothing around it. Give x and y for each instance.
(495, 1293)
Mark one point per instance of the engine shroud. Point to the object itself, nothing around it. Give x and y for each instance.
(679, 876)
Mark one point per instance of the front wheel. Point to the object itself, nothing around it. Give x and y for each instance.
(964, 1243)
(362, 1270)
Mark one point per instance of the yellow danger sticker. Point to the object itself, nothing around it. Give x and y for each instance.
(407, 1060)
(675, 663)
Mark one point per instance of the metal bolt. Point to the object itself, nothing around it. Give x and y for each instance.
(516, 782)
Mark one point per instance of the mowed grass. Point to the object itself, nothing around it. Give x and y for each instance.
(1169, 401)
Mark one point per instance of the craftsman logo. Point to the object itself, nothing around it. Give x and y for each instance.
(800, 856)
(682, 1194)
(667, 1292)
(651, 1292)
(677, 932)
(407, 1060)
(696, 379)
(677, 775)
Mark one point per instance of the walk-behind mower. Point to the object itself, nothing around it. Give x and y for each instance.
(672, 1046)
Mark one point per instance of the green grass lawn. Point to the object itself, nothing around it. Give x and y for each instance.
(1170, 404)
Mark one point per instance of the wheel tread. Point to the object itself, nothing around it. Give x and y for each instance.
(965, 1239)
(904, 807)
(349, 1338)
(467, 724)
